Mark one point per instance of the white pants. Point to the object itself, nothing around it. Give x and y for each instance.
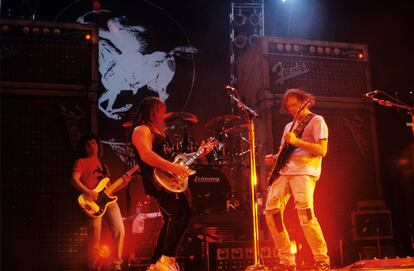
(301, 187)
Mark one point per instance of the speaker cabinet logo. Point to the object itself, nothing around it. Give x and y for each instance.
(284, 73)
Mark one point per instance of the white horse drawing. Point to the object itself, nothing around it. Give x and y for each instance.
(124, 66)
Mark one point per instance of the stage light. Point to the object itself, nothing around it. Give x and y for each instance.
(288, 47)
(253, 38)
(240, 41)
(293, 247)
(254, 19)
(360, 55)
(88, 37)
(104, 251)
(328, 50)
(240, 18)
(337, 51)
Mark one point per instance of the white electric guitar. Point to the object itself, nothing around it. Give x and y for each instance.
(98, 208)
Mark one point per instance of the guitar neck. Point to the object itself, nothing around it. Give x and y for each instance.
(114, 186)
(120, 181)
(193, 157)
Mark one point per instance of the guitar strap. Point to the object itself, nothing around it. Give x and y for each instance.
(284, 156)
(301, 127)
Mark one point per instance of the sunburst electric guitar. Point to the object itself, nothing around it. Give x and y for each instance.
(174, 184)
(285, 152)
(98, 208)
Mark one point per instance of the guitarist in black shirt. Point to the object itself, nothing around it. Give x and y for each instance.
(153, 150)
(297, 167)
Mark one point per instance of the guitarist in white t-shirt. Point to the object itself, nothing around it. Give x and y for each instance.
(299, 163)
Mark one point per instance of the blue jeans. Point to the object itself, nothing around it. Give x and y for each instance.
(114, 219)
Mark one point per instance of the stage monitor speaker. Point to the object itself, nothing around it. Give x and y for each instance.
(395, 264)
(236, 256)
(372, 225)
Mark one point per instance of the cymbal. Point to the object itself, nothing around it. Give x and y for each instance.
(223, 121)
(187, 117)
(236, 129)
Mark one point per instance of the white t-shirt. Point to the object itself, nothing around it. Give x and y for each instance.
(302, 162)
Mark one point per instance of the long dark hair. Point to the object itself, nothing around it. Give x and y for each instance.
(146, 111)
(300, 94)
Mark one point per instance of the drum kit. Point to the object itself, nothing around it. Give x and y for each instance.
(228, 129)
(215, 185)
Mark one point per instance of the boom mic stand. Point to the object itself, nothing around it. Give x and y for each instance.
(395, 103)
(250, 113)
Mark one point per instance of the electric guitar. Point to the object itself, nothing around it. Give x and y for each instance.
(285, 152)
(98, 208)
(174, 184)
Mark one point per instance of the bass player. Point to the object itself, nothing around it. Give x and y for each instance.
(297, 177)
(86, 174)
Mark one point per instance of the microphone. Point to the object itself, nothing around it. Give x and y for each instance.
(228, 87)
(370, 94)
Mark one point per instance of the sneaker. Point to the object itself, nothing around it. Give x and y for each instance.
(167, 264)
(322, 266)
(284, 267)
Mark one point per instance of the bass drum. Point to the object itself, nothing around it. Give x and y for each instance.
(209, 189)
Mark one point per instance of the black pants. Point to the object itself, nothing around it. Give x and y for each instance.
(176, 212)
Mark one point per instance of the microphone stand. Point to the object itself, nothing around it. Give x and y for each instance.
(250, 113)
(397, 104)
(409, 109)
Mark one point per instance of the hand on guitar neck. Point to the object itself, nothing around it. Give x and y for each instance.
(291, 138)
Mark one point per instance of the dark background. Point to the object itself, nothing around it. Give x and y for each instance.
(386, 27)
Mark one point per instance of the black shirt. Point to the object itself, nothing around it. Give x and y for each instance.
(162, 146)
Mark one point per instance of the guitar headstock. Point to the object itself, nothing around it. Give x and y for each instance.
(209, 145)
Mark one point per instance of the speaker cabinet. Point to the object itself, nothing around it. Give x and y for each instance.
(36, 53)
(372, 225)
(329, 69)
(42, 226)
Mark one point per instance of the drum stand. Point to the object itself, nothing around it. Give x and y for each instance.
(250, 113)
